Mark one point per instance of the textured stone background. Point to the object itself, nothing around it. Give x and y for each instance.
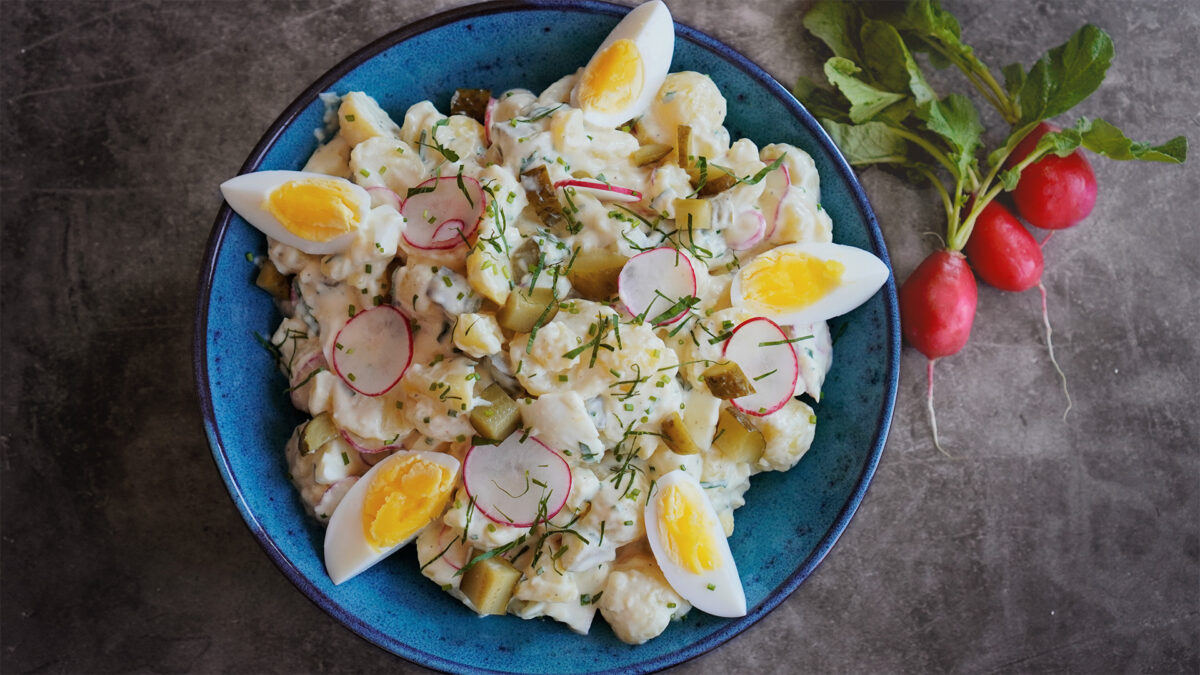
(1040, 545)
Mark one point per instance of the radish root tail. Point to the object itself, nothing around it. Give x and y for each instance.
(1050, 348)
(929, 403)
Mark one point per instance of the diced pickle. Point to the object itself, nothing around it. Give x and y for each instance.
(489, 585)
(726, 380)
(650, 153)
(273, 281)
(388, 275)
(737, 439)
(711, 180)
(717, 180)
(498, 420)
(677, 437)
(693, 213)
(470, 102)
(683, 145)
(526, 308)
(319, 431)
(542, 195)
(594, 273)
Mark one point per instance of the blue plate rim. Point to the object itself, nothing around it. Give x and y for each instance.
(323, 83)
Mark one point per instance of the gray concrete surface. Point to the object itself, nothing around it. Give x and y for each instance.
(1040, 544)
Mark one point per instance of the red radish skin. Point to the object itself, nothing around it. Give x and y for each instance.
(302, 378)
(1006, 256)
(1002, 252)
(367, 446)
(455, 211)
(373, 350)
(1054, 192)
(488, 113)
(937, 308)
(749, 228)
(333, 496)
(455, 551)
(381, 196)
(761, 349)
(501, 480)
(449, 232)
(937, 304)
(601, 190)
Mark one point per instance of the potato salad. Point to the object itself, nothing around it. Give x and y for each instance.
(549, 337)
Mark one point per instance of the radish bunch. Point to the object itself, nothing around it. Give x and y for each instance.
(881, 110)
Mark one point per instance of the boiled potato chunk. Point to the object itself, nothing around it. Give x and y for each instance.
(362, 118)
(737, 439)
(489, 584)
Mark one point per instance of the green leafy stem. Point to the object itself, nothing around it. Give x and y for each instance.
(879, 108)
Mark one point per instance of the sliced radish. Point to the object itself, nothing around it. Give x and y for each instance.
(653, 282)
(510, 480)
(601, 190)
(372, 351)
(333, 496)
(442, 212)
(301, 378)
(368, 445)
(381, 196)
(449, 232)
(787, 187)
(764, 353)
(747, 230)
(450, 545)
(488, 113)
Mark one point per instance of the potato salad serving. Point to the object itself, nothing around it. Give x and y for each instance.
(548, 338)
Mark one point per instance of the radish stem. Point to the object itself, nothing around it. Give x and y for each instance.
(946, 201)
(1050, 347)
(927, 147)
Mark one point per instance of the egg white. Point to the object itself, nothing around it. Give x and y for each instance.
(347, 551)
(864, 274)
(652, 31)
(726, 596)
(247, 195)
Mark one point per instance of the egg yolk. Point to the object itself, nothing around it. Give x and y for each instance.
(789, 280)
(686, 529)
(614, 79)
(314, 209)
(402, 498)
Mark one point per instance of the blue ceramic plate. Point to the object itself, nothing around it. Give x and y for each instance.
(791, 519)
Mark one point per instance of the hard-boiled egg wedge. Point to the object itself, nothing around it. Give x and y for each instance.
(315, 213)
(808, 282)
(386, 509)
(690, 547)
(628, 69)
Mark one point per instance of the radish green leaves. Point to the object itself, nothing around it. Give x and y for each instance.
(879, 108)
